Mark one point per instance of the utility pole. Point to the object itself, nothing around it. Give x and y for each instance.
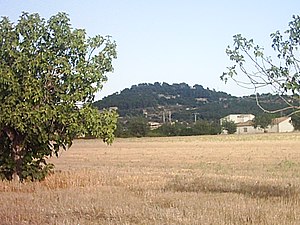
(170, 117)
(167, 116)
(164, 117)
(195, 116)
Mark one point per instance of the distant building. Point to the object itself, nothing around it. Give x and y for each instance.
(154, 125)
(204, 100)
(247, 128)
(237, 118)
(281, 125)
(245, 124)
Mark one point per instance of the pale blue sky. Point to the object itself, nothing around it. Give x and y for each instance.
(169, 41)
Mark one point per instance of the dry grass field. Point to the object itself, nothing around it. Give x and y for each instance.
(250, 179)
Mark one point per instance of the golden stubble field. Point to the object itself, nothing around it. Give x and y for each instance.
(250, 179)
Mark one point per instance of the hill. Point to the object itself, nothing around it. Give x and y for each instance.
(180, 102)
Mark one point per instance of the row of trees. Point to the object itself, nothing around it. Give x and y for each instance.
(139, 127)
(182, 129)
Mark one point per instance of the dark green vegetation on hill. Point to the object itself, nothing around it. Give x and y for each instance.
(180, 109)
(157, 100)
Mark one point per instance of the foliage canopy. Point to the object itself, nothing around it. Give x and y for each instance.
(230, 126)
(47, 69)
(296, 121)
(262, 121)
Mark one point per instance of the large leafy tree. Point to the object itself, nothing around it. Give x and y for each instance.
(281, 72)
(230, 126)
(263, 121)
(296, 121)
(137, 126)
(49, 74)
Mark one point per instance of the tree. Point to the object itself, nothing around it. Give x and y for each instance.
(281, 73)
(175, 129)
(137, 126)
(202, 127)
(262, 121)
(229, 126)
(296, 121)
(49, 74)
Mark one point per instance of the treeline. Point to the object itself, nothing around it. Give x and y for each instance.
(150, 95)
(139, 127)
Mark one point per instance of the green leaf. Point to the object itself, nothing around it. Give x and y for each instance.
(46, 68)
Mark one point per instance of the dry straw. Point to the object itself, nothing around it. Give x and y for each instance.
(188, 180)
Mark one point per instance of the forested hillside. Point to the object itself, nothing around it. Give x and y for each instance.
(180, 102)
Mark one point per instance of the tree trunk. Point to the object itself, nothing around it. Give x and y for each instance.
(17, 151)
(17, 157)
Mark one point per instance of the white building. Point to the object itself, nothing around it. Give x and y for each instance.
(154, 125)
(247, 128)
(245, 124)
(281, 125)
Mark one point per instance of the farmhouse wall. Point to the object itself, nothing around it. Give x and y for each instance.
(281, 125)
(245, 130)
(286, 126)
(245, 124)
(248, 128)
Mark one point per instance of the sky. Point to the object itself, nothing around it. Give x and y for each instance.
(170, 41)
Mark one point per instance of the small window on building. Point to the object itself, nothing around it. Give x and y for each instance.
(245, 130)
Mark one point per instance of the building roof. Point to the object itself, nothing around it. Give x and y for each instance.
(275, 121)
(279, 120)
(248, 123)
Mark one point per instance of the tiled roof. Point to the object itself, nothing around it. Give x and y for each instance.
(244, 124)
(279, 120)
(274, 122)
